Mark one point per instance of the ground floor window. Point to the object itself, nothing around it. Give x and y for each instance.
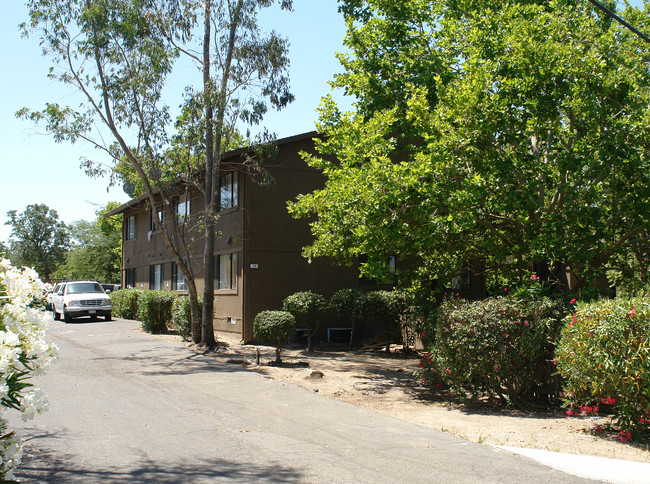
(129, 278)
(156, 277)
(226, 270)
(178, 279)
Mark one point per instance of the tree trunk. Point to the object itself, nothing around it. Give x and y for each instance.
(207, 328)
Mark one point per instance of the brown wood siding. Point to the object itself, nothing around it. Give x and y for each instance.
(274, 239)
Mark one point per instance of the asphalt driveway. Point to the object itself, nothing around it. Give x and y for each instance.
(130, 407)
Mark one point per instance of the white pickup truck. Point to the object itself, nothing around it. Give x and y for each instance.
(75, 299)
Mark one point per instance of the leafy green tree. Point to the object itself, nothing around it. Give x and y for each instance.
(118, 55)
(275, 327)
(96, 251)
(38, 239)
(308, 309)
(510, 132)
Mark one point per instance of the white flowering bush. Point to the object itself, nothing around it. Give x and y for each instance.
(24, 353)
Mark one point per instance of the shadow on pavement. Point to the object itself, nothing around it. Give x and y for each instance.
(52, 467)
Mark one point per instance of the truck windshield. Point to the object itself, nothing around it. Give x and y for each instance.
(84, 287)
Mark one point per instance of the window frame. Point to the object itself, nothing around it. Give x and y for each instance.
(130, 228)
(232, 278)
(152, 224)
(176, 275)
(183, 201)
(229, 190)
(129, 277)
(152, 277)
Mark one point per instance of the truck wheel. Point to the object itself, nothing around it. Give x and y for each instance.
(56, 315)
(108, 317)
(66, 317)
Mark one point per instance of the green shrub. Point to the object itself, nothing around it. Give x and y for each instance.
(181, 316)
(385, 309)
(155, 310)
(125, 303)
(492, 347)
(346, 304)
(274, 327)
(604, 357)
(308, 308)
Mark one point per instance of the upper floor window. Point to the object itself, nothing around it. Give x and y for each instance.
(152, 223)
(389, 280)
(228, 188)
(183, 207)
(129, 228)
(178, 279)
(226, 270)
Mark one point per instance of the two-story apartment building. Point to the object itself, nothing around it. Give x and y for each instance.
(258, 259)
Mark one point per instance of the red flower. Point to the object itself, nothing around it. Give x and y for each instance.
(608, 400)
(586, 409)
(569, 412)
(625, 436)
(599, 428)
(632, 312)
(422, 364)
(572, 301)
(554, 361)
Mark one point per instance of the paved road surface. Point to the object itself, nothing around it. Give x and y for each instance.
(125, 406)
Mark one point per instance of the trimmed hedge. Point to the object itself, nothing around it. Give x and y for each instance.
(155, 310)
(493, 347)
(308, 308)
(181, 316)
(274, 327)
(345, 303)
(385, 309)
(604, 358)
(125, 303)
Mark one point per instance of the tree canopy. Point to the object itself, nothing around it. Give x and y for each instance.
(96, 249)
(512, 132)
(118, 56)
(38, 239)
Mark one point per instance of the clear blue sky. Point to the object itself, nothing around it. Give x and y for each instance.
(35, 169)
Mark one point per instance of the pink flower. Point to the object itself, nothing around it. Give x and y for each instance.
(625, 436)
(534, 277)
(632, 312)
(526, 323)
(505, 289)
(573, 301)
(448, 370)
(554, 361)
(586, 409)
(608, 400)
(569, 412)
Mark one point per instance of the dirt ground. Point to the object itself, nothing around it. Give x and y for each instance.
(386, 384)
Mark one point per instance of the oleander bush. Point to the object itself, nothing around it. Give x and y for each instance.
(181, 319)
(155, 310)
(125, 303)
(493, 347)
(24, 353)
(604, 359)
(274, 327)
(308, 309)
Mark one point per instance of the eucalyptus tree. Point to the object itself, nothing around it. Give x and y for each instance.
(512, 132)
(118, 55)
